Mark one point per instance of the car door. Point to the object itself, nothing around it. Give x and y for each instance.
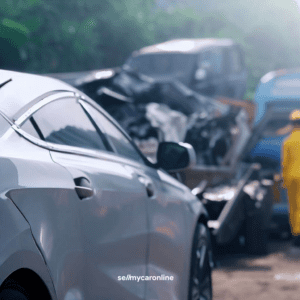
(169, 242)
(44, 194)
(112, 201)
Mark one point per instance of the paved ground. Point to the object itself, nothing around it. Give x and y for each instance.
(243, 277)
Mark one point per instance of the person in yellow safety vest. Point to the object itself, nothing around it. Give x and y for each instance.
(291, 174)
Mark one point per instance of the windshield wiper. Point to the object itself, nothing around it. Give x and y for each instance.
(5, 82)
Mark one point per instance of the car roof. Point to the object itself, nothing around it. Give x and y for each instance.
(24, 88)
(184, 46)
(279, 73)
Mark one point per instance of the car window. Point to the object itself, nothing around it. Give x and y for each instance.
(204, 60)
(212, 59)
(216, 60)
(4, 125)
(64, 122)
(160, 64)
(235, 60)
(122, 144)
(29, 128)
(277, 127)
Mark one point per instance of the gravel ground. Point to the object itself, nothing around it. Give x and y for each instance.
(275, 276)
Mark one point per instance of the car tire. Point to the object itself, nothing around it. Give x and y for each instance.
(10, 294)
(200, 287)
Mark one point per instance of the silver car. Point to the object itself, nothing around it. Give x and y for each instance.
(84, 215)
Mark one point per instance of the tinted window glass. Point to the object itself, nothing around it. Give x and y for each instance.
(28, 127)
(65, 122)
(216, 60)
(122, 145)
(4, 125)
(235, 60)
(212, 59)
(160, 64)
(277, 127)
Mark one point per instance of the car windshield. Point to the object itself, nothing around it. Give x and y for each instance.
(277, 127)
(161, 63)
(279, 110)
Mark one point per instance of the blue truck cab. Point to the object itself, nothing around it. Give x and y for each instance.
(277, 95)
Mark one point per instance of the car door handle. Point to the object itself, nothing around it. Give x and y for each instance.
(148, 185)
(83, 188)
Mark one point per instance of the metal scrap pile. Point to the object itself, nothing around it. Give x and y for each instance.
(153, 111)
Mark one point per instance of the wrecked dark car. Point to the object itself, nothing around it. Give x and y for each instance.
(208, 66)
(234, 191)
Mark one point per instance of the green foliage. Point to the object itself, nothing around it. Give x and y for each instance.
(72, 35)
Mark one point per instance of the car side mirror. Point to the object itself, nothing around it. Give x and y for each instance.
(175, 156)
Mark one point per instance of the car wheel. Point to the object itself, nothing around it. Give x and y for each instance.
(201, 266)
(9, 294)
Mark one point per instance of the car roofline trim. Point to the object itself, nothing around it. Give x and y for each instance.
(42, 102)
(30, 105)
